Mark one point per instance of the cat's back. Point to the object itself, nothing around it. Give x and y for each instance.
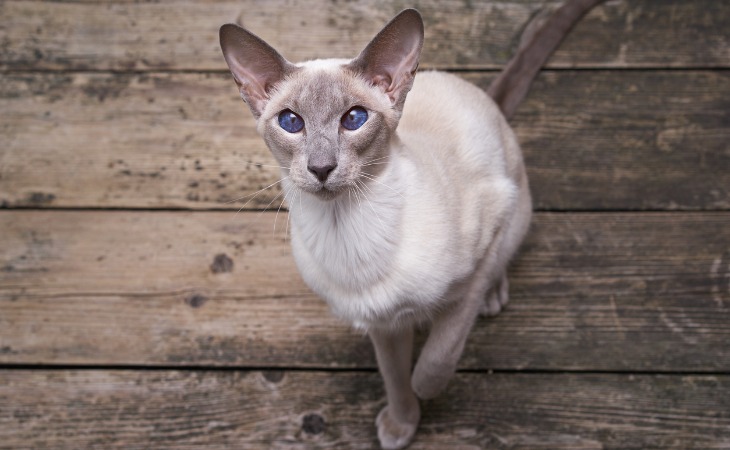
(446, 117)
(449, 90)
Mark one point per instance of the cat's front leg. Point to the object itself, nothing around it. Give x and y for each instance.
(398, 420)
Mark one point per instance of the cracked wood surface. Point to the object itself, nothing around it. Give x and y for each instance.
(183, 35)
(280, 409)
(590, 292)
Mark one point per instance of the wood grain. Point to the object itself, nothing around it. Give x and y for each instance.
(182, 35)
(616, 334)
(223, 410)
(636, 140)
(592, 140)
(648, 292)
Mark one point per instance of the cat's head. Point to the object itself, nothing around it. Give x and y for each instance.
(328, 121)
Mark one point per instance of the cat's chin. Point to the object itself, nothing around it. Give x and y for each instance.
(326, 194)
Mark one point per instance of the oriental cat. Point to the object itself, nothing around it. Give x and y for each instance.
(407, 195)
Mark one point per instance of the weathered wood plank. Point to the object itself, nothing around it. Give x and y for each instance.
(645, 140)
(589, 292)
(175, 35)
(222, 410)
(593, 140)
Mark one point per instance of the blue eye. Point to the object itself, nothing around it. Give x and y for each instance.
(290, 121)
(354, 118)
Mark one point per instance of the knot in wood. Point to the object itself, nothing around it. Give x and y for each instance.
(221, 263)
(313, 424)
(196, 300)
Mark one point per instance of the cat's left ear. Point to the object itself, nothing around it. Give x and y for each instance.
(390, 60)
(255, 65)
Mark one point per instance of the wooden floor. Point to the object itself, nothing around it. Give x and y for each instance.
(139, 308)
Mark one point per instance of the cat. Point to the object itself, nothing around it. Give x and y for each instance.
(403, 212)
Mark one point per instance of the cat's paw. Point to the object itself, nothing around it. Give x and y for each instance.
(394, 434)
(496, 299)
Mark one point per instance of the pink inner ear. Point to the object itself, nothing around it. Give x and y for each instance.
(251, 83)
(255, 65)
(383, 81)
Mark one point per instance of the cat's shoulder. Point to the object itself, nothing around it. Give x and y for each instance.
(438, 95)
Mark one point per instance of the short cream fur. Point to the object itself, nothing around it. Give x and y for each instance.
(416, 224)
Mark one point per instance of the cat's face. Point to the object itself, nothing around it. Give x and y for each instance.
(328, 122)
(329, 126)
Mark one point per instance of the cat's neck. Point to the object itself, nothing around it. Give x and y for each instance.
(353, 237)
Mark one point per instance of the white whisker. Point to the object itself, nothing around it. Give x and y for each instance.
(253, 196)
(272, 201)
(377, 216)
(276, 217)
(371, 178)
(288, 216)
(377, 159)
(251, 163)
(291, 188)
(357, 194)
(255, 193)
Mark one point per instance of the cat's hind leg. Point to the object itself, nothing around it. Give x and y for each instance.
(498, 295)
(398, 420)
(496, 298)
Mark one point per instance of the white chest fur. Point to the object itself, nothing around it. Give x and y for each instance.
(390, 252)
(353, 250)
(393, 248)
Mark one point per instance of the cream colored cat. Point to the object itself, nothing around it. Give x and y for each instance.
(403, 212)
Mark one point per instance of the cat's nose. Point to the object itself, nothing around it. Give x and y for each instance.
(321, 172)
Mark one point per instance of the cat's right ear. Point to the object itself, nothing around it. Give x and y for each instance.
(255, 65)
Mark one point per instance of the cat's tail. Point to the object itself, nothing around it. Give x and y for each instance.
(539, 41)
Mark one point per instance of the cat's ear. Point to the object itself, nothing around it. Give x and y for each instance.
(255, 65)
(390, 60)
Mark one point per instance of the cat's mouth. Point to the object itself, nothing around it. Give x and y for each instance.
(328, 189)
(327, 193)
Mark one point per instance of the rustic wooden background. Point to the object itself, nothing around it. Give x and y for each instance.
(139, 308)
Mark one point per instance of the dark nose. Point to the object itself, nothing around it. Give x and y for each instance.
(321, 172)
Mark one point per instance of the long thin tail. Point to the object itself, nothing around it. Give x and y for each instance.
(512, 85)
